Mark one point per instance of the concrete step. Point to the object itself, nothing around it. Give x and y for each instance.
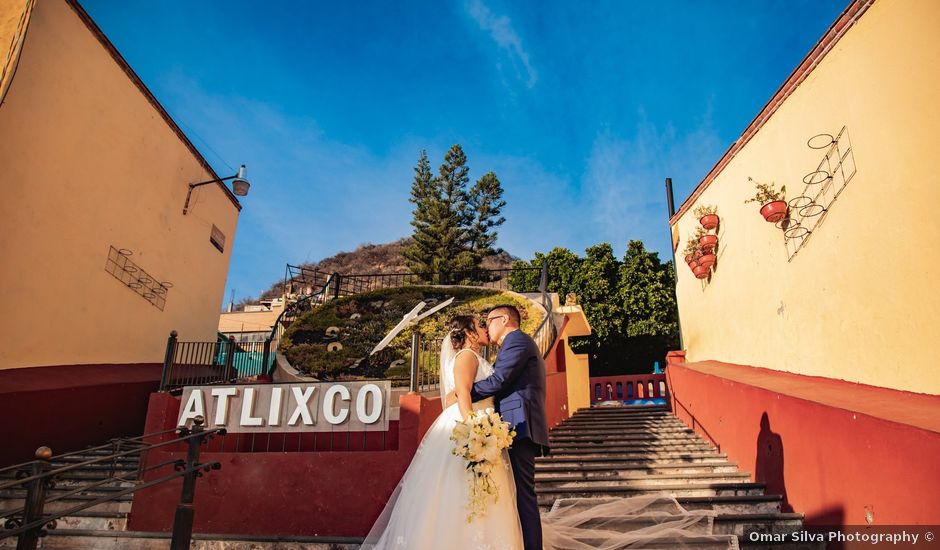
(548, 494)
(625, 437)
(638, 468)
(97, 521)
(569, 431)
(742, 524)
(620, 442)
(552, 479)
(569, 426)
(635, 456)
(119, 504)
(650, 427)
(84, 539)
(725, 504)
(671, 542)
(611, 450)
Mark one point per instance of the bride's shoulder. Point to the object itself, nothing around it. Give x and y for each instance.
(473, 353)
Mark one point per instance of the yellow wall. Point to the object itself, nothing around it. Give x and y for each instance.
(859, 301)
(88, 162)
(578, 376)
(13, 16)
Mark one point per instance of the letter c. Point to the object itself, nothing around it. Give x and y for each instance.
(329, 399)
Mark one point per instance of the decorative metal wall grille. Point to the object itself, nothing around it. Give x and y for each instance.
(823, 186)
(135, 278)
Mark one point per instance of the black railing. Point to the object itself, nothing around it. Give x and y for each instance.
(38, 477)
(293, 310)
(219, 362)
(497, 279)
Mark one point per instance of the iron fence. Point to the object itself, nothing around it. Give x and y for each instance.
(39, 479)
(219, 362)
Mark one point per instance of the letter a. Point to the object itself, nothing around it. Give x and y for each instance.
(195, 406)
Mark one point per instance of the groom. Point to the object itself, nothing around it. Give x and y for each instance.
(518, 385)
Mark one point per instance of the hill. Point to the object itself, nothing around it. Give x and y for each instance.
(372, 258)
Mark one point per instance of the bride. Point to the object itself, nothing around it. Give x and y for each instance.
(428, 509)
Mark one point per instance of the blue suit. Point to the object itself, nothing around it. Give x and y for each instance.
(518, 386)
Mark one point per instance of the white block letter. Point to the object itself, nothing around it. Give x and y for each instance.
(364, 392)
(195, 406)
(302, 410)
(221, 405)
(274, 415)
(329, 400)
(248, 404)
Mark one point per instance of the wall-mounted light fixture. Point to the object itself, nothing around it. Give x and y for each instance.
(240, 186)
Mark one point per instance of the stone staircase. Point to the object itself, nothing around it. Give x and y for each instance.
(109, 516)
(104, 526)
(597, 455)
(626, 451)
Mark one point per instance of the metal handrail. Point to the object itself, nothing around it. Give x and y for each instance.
(29, 521)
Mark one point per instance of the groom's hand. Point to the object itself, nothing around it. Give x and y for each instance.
(450, 398)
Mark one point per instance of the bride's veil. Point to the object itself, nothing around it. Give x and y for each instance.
(446, 377)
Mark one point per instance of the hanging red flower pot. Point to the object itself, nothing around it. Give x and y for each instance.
(700, 272)
(707, 260)
(709, 221)
(774, 211)
(708, 242)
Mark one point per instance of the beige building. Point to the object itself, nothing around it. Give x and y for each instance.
(99, 261)
(845, 287)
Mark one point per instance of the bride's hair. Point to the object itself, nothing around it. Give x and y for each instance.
(459, 326)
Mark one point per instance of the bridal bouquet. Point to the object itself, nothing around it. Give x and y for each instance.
(480, 440)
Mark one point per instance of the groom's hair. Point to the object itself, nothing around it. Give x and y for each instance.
(511, 311)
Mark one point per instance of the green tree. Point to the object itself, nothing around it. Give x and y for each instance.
(485, 203)
(647, 293)
(630, 304)
(425, 195)
(453, 213)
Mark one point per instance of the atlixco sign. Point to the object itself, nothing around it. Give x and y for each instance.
(305, 407)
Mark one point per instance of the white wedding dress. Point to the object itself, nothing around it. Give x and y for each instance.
(428, 510)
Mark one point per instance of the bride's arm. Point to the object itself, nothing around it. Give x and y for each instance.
(465, 370)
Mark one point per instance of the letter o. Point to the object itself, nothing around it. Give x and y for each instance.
(329, 399)
(377, 407)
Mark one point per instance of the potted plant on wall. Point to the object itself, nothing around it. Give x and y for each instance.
(707, 215)
(773, 206)
(692, 252)
(707, 242)
(706, 246)
(694, 255)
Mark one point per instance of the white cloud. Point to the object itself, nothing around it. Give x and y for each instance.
(623, 184)
(501, 31)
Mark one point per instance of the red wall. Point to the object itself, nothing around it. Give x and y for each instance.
(283, 493)
(832, 464)
(70, 407)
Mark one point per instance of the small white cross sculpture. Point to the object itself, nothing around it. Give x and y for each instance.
(410, 319)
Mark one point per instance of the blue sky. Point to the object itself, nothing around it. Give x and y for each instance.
(581, 108)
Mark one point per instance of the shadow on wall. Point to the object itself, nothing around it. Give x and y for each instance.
(768, 466)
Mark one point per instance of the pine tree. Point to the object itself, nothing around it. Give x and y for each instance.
(425, 195)
(453, 254)
(485, 202)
